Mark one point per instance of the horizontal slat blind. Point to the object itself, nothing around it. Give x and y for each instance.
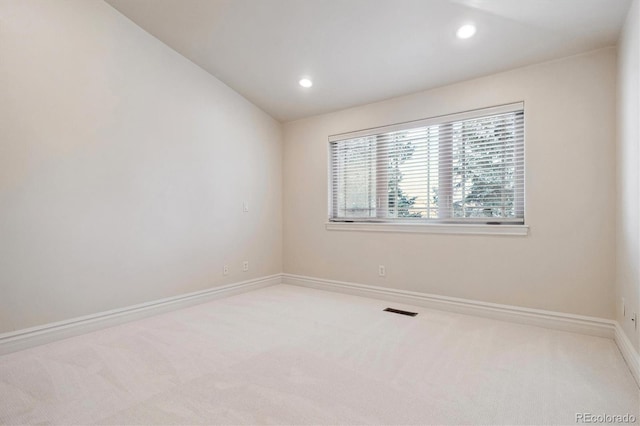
(460, 168)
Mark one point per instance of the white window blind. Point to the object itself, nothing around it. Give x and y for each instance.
(460, 168)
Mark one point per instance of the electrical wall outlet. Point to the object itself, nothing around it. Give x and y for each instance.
(634, 318)
(245, 266)
(624, 308)
(225, 270)
(245, 206)
(382, 271)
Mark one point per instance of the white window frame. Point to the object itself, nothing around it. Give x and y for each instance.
(377, 225)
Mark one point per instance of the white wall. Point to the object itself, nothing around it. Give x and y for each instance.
(123, 167)
(628, 178)
(566, 264)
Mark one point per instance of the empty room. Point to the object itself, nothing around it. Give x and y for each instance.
(411, 212)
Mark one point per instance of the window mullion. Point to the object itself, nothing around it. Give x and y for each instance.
(382, 180)
(445, 171)
(519, 169)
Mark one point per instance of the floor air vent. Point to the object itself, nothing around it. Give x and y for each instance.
(401, 312)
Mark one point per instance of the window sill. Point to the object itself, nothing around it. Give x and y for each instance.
(430, 228)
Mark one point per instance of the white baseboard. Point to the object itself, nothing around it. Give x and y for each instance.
(555, 320)
(629, 353)
(34, 336)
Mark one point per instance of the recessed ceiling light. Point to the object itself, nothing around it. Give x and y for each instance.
(466, 31)
(305, 82)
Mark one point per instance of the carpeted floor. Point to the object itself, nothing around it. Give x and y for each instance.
(290, 355)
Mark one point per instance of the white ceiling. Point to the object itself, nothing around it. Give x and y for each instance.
(361, 51)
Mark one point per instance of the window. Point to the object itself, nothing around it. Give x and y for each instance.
(461, 168)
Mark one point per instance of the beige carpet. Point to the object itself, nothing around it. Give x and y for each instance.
(289, 355)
